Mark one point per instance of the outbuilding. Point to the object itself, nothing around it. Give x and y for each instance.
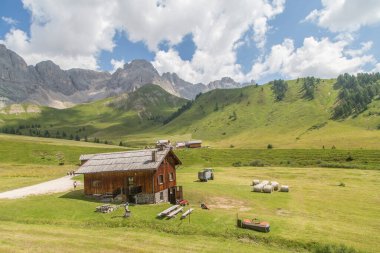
(194, 144)
(141, 176)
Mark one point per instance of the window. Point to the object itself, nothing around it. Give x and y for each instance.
(161, 196)
(171, 176)
(130, 181)
(160, 179)
(96, 183)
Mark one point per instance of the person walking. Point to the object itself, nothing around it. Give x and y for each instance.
(75, 185)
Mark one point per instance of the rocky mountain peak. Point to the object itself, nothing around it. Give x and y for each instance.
(140, 65)
(47, 84)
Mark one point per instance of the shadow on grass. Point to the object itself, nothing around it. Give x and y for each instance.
(79, 195)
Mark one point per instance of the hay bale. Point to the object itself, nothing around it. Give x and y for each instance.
(255, 182)
(268, 188)
(259, 187)
(275, 185)
(284, 188)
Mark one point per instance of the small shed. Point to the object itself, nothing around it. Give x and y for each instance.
(163, 144)
(180, 145)
(141, 176)
(194, 144)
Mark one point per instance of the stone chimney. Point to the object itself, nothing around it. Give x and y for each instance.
(154, 156)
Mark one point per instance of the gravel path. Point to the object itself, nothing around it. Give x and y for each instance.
(57, 185)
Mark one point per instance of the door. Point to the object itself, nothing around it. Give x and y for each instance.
(171, 197)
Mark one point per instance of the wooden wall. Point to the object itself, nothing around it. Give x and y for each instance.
(107, 182)
(195, 145)
(165, 168)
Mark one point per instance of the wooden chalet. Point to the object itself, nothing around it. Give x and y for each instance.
(142, 176)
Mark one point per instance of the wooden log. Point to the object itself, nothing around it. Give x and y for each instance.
(183, 216)
(167, 211)
(172, 214)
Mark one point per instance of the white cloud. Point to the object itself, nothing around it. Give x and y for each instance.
(74, 32)
(117, 64)
(346, 15)
(357, 52)
(71, 33)
(9, 20)
(322, 58)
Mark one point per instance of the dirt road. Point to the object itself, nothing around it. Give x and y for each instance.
(57, 185)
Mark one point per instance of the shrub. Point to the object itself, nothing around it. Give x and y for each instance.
(257, 163)
(270, 146)
(237, 164)
(232, 146)
(342, 184)
(349, 158)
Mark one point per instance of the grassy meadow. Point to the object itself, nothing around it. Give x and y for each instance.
(319, 214)
(29, 160)
(316, 212)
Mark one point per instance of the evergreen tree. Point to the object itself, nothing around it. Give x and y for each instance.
(356, 92)
(279, 88)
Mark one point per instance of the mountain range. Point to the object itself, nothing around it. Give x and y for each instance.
(47, 84)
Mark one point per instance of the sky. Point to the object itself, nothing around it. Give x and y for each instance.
(201, 41)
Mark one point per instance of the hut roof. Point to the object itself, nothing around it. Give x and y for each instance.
(162, 141)
(194, 142)
(124, 161)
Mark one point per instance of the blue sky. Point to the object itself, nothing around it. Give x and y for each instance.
(201, 41)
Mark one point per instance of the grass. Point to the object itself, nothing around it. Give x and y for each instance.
(314, 213)
(26, 161)
(364, 159)
(55, 238)
(20, 175)
(32, 150)
(317, 215)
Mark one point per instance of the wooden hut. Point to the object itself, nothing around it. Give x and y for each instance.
(142, 176)
(163, 144)
(180, 145)
(194, 144)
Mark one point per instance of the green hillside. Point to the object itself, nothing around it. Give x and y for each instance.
(107, 119)
(341, 113)
(250, 117)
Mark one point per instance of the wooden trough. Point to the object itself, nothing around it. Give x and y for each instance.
(254, 224)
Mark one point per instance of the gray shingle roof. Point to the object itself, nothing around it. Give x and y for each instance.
(122, 161)
(194, 142)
